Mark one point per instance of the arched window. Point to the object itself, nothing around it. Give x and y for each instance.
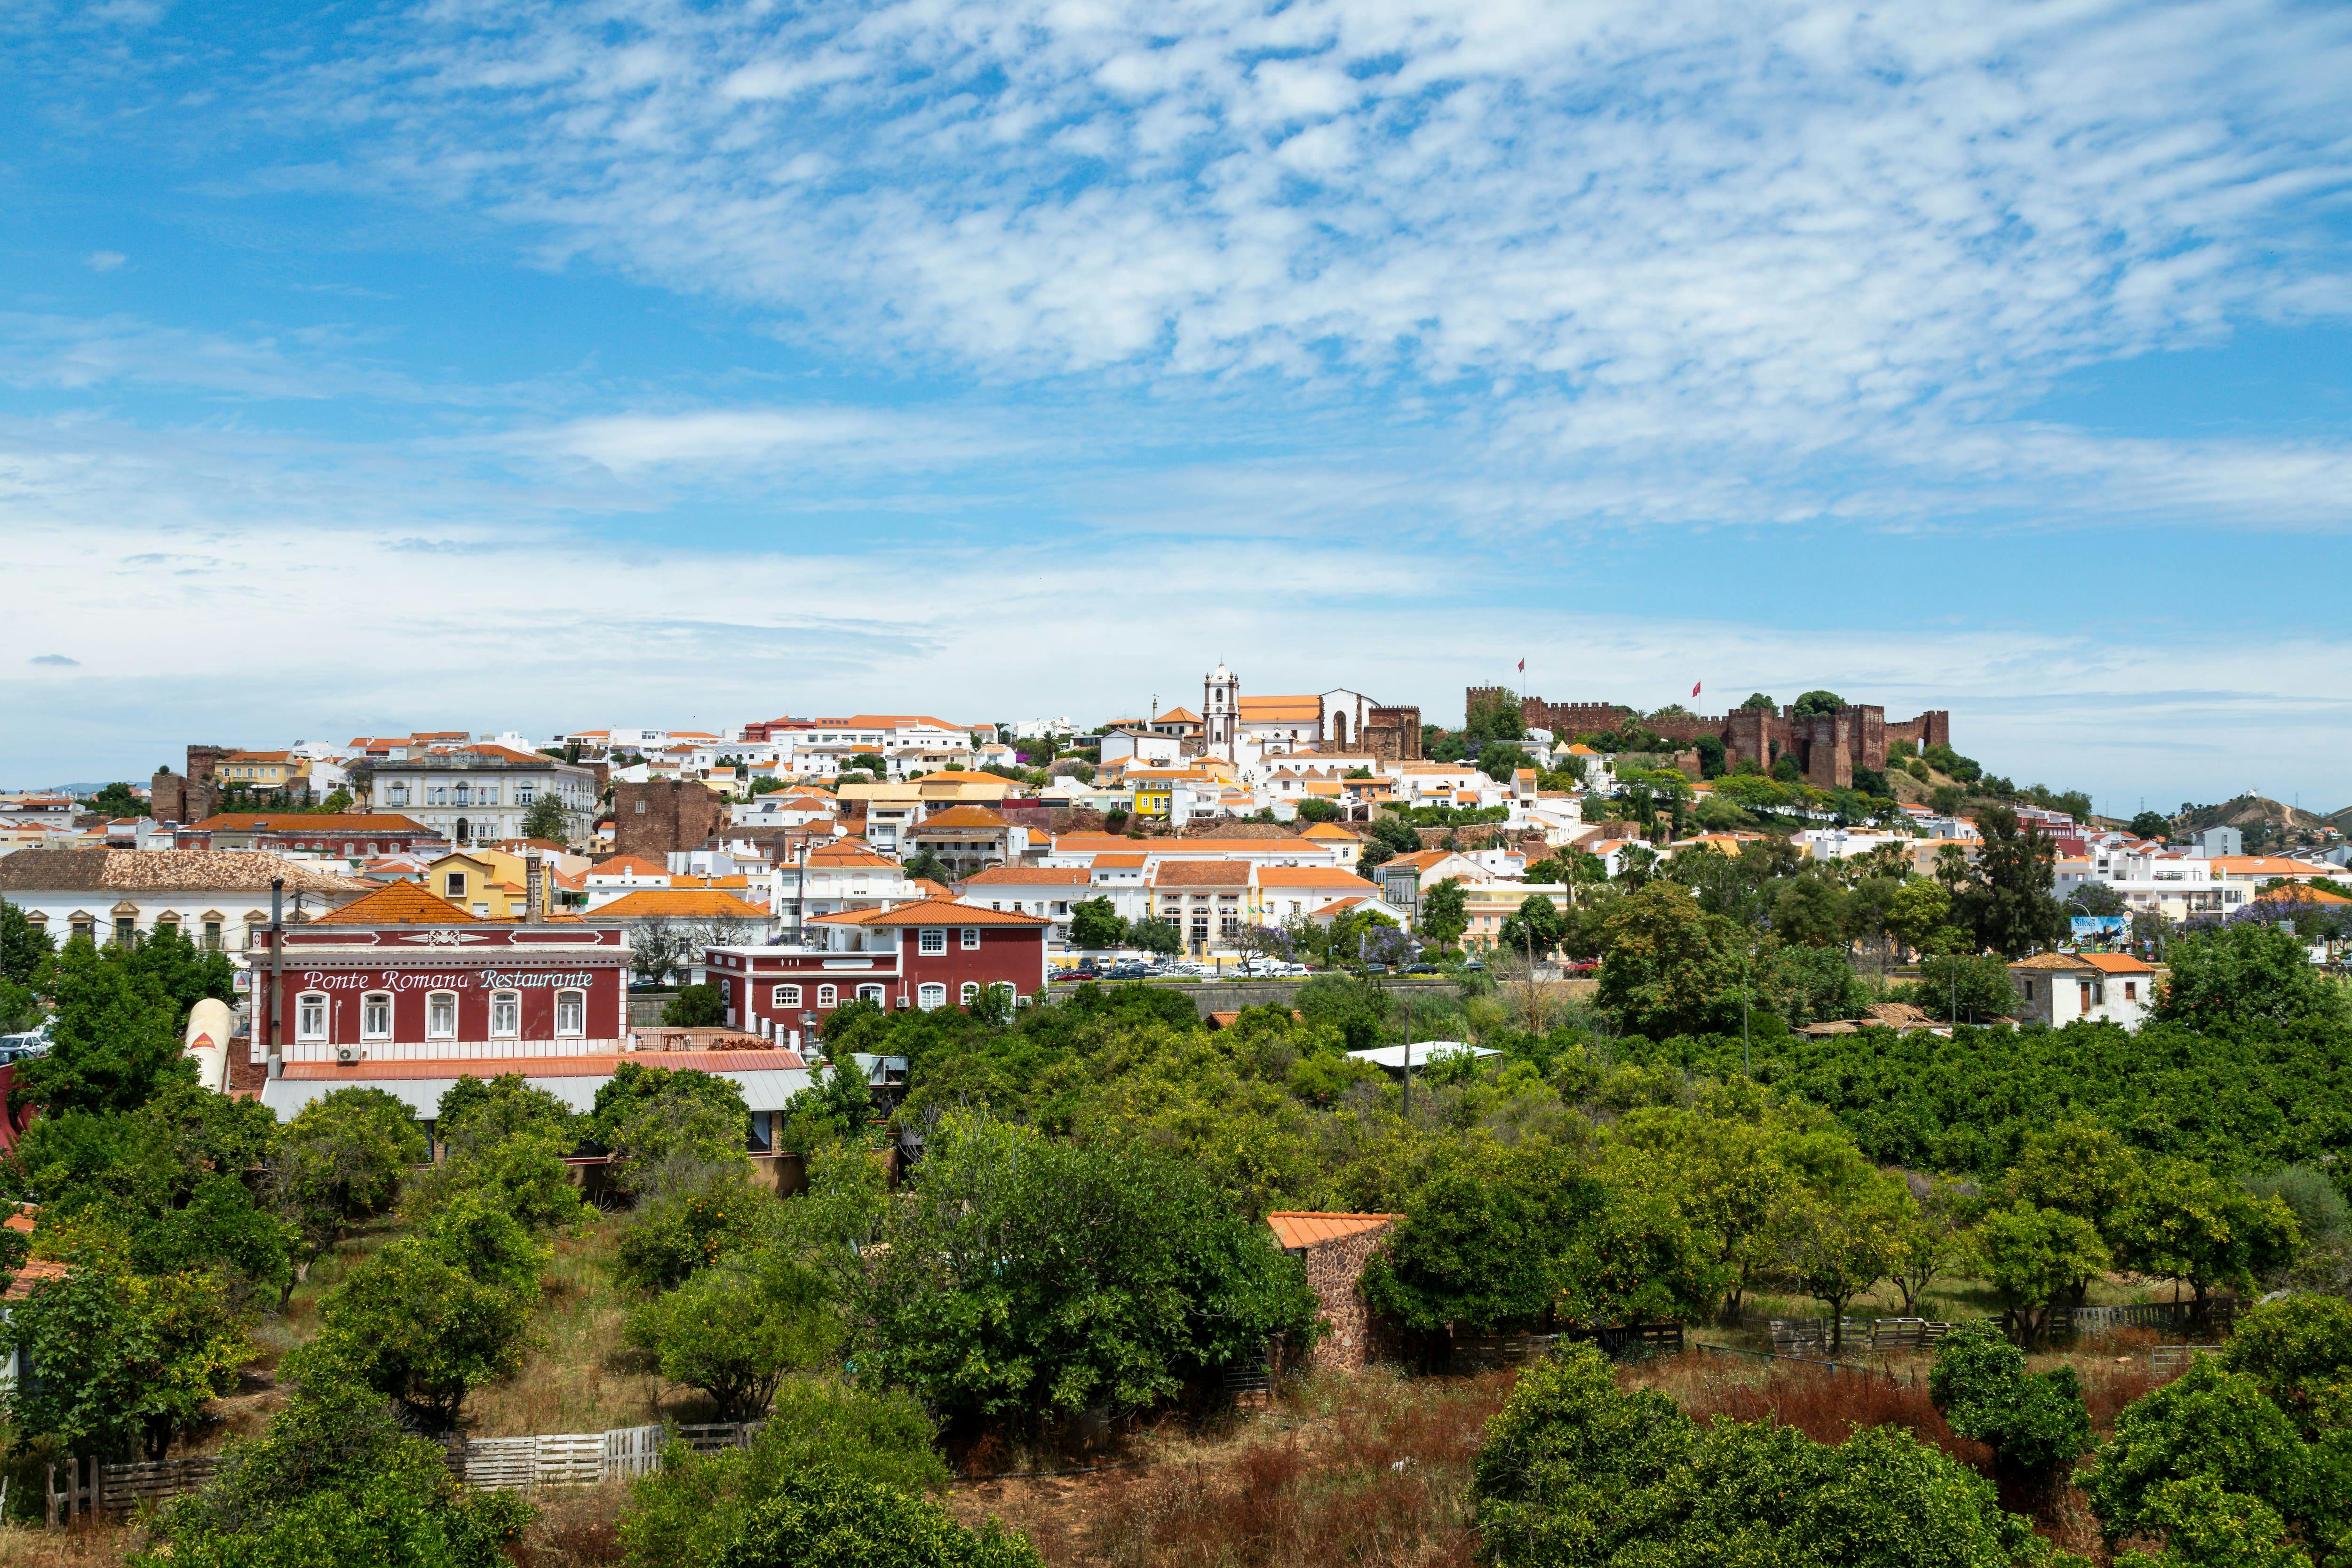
(310, 1013)
(570, 1014)
(461, 830)
(827, 996)
(870, 994)
(970, 993)
(375, 1016)
(930, 996)
(441, 1016)
(506, 1014)
(785, 996)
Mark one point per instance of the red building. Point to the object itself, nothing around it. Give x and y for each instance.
(933, 953)
(356, 835)
(399, 975)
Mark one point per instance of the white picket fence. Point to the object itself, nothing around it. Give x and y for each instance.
(497, 1464)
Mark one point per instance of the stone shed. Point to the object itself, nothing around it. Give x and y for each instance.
(1336, 1248)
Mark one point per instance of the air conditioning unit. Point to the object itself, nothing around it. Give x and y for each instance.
(347, 1056)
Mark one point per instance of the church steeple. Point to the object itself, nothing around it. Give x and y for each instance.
(1221, 712)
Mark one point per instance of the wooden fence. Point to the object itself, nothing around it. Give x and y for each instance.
(498, 1464)
(1804, 1336)
(2151, 1315)
(2176, 1358)
(1616, 1340)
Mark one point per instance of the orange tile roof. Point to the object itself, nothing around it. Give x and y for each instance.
(1296, 1228)
(656, 903)
(930, 913)
(964, 817)
(1332, 830)
(1025, 876)
(2117, 964)
(630, 865)
(1178, 716)
(2307, 893)
(2262, 865)
(548, 1067)
(1300, 709)
(1201, 874)
(396, 904)
(309, 822)
(1121, 862)
(1313, 877)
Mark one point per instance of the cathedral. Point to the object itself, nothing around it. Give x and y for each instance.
(1248, 728)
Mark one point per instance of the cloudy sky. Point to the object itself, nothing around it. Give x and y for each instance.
(501, 365)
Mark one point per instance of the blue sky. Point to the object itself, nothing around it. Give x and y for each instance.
(513, 365)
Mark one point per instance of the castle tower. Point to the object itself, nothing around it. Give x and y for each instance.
(1221, 712)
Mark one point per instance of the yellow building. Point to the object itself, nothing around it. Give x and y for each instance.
(263, 771)
(487, 882)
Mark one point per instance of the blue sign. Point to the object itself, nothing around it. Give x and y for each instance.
(2102, 928)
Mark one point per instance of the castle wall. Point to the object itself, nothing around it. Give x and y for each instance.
(1828, 747)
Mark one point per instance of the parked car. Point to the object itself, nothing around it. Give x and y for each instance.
(1373, 969)
(1419, 969)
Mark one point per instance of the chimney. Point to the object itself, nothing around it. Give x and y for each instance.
(534, 889)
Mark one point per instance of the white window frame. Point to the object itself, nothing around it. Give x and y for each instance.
(828, 996)
(930, 994)
(453, 884)
(784, 996)
(971, 939)
(574, 1003)
(873, 994)
(969, 995)
(510, 1004)
(371, 1004)
(314, 1013)
(433, 1001)
(932, 942)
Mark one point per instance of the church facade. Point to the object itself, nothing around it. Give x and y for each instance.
(1242, 729)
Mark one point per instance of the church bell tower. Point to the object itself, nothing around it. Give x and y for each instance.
(1221, 713)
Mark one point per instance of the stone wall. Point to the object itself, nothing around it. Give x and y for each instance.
(1334, 1270)
(1390, 734)
(659, 816)
(1828, 747)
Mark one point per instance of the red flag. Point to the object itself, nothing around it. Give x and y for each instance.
(1523, 667)
(1694, 686)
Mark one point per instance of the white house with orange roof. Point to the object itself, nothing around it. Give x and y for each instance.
(1286, 892)
(845, 875)
(1048, 892)
(2061, 988)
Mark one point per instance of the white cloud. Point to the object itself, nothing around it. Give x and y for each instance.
(106, 260)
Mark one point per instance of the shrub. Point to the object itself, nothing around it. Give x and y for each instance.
(2035, 1424)
(821, 1518)
(688, 1512)
(342, 1159)
(734, 1329)
(690, 1224)
(333, 1481)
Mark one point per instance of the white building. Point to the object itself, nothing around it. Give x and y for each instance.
(215, 897)
(2059, 988)
(480, 793)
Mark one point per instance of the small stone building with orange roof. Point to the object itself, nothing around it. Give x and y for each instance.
(1335, 1247)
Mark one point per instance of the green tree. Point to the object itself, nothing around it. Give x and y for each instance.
(1920, 914)
(1759, 700)
(334, 1482)
(2035, 1424)
(688, 1221)
(2298, 1349)
(821, 1518)
(220, 1229)
(695, 1007)
(119, 1357)
(1444, 916)
(2189, 1225)
(1810, 911)
(1818, 704)
(547, 819)
(1096, 926)
(2245, 970)
(686, 1514)
(1154, 935)
(924, 865)
(1966, 987)
(1495, 717)
(1357, 1009)
(1478, 1242)
(1026, 1278)
(432, 1316)
(117, 801)
(645, 1116)
(1841, 1227)
(2208, 1426)
(2007, 905)
(734, 1330)
(1668, 966)
(340, 1160)
(2152, 825)
(115, 1043)
(26, 950)
(2034, 1259)
(1575, 1473)
(1533, 930)
(1318, 811)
